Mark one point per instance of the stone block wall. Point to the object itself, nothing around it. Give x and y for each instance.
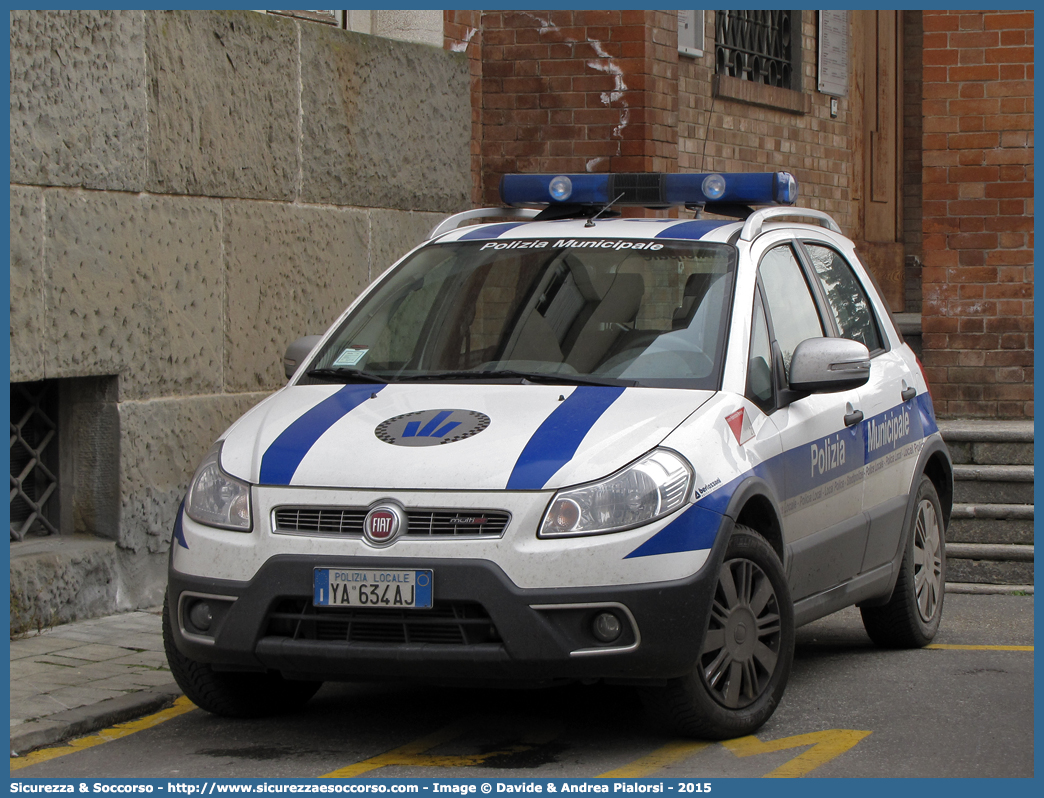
(978, 212)
(191, 192)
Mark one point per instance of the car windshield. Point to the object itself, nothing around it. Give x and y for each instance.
(584, 311)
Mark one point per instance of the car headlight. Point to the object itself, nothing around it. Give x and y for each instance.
(653, 487)
(216, 498)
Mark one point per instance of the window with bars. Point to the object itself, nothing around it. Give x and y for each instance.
(759, 46)
(34, 459)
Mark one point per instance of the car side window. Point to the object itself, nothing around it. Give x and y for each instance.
(846, 297)
(759, 363)
(789, 299)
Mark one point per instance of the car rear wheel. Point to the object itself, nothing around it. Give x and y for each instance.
(748, 647)
(911, 617)
(233, 695)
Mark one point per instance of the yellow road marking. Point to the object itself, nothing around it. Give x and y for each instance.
(948, 647)
(180, 707)
(415, 754)
(658, 759)
(826, 745)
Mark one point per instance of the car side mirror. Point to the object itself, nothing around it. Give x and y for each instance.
(298, 351)
(828, 365)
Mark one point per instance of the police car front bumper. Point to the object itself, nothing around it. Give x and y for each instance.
(493, 631)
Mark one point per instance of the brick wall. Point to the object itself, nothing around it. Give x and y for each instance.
(570, 91)
(727, 135)
(978, 212)
(913, 70)
(606, 91)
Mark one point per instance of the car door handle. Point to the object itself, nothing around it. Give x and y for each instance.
(853, 418)
(909, 394)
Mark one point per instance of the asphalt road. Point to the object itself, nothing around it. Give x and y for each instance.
(849, 710)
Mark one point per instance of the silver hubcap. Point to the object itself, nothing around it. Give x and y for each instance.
(928, 585)
(741, 647)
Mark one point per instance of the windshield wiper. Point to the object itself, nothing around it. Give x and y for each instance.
(563, 379)
(542, 378)
(346, 375)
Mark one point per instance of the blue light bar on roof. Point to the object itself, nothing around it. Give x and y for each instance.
(651, 190)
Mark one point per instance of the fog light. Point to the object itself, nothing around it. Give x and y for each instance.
(200, 616)
(606, 627)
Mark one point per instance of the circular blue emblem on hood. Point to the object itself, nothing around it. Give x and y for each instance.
(431, 427)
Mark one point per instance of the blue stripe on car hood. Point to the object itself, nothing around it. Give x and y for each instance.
(282, 458)
(557, 439)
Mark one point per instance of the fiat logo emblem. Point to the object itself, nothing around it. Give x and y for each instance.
(383, 524)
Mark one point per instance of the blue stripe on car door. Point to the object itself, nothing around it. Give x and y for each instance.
(689, 532)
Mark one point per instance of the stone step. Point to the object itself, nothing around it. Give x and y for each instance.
(989, 563)
(990, 572)
(961, 429)
(991, 452)
(993, 484)
(60, 579)
(995, 552)
(991, 523)
(989, 442)
(984, 589)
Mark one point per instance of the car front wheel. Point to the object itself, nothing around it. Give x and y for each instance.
(748, 647)
(233, 695)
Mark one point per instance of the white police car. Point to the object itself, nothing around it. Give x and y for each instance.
(574, 447)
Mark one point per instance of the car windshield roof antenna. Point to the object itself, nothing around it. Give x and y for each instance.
(591, 222)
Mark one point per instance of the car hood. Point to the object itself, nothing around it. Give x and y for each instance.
(454, 437)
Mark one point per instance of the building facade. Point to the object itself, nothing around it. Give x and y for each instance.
(191, 191)
(913, 129)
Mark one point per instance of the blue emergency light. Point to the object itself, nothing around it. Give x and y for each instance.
(651, 190)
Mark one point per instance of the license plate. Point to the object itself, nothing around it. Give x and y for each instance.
(349, 587)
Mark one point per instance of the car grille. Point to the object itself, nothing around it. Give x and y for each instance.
(420, 523)
(447, 623)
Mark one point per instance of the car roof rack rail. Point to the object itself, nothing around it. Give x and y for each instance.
(752, 227)
(457, 219)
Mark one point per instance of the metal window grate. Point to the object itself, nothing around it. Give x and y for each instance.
(758, 46)
(34, 450)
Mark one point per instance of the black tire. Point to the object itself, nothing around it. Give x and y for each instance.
(739, 679)
(233, 695)
(911, 617)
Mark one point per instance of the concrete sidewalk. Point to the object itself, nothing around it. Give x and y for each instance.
(80, 677)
